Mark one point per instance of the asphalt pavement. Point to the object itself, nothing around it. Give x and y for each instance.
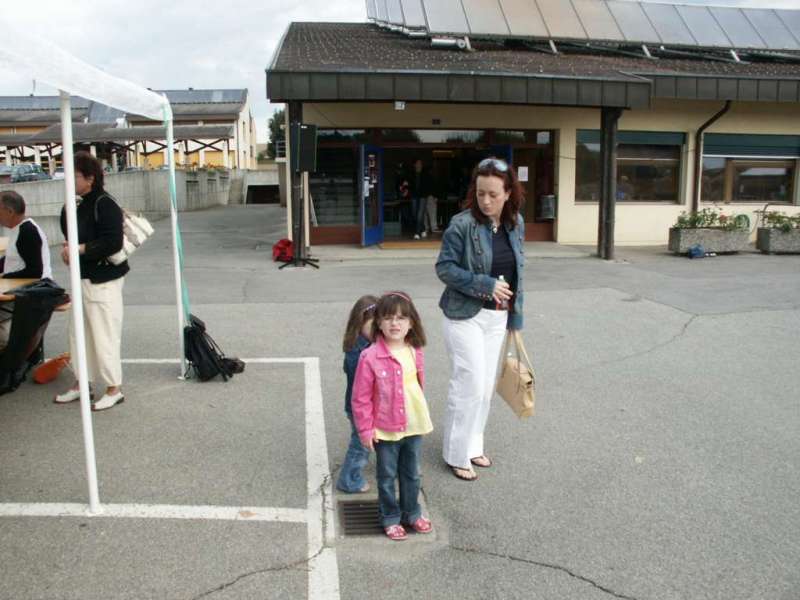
(662, 462)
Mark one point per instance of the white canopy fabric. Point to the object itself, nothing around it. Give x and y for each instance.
(44, 61)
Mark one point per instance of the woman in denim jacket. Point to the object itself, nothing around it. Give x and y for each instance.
(481, 263)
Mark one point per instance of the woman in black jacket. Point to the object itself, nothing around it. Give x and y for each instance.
(99, 236)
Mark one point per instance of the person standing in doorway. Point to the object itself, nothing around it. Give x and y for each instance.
(420, 187)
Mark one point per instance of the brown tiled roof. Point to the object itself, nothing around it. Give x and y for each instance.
(355, 47)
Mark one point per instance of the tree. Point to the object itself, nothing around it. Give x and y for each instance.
(276, 132)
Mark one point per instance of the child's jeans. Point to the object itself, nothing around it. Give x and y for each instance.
(351, 477)
(399, 461)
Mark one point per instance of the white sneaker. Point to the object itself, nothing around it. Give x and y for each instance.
(416, 236)
(68, 396)
(107, 401)
(424, 234)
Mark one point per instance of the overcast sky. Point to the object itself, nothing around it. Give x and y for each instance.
(180, 44)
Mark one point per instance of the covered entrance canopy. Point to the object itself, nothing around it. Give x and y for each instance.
(488, 75)
(44, 61)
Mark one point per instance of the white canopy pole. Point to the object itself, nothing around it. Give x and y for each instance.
(76, 295)
(176, 257)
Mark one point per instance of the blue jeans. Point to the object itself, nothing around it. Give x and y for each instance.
(418, 214)
(351, 477)
(399, 461)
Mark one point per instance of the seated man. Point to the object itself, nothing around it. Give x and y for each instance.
(27, 255)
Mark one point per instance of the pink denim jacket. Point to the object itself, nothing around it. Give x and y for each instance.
(378, 399)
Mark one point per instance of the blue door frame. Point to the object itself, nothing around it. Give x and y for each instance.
(371, 194)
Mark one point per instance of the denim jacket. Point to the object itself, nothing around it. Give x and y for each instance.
(465, 264)
(349, 367)
(379, 399)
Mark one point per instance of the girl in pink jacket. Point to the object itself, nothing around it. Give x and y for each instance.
(390, 411)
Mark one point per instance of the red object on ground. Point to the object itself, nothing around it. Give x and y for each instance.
(283, 251)
(49, 369)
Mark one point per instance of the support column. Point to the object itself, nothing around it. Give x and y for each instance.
(37, 156)
(609, 120)
(93, 150)
(295, 114)
(226, 156)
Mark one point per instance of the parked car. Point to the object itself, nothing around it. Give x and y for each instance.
(5, 173)
(27, 172)
(58, 173)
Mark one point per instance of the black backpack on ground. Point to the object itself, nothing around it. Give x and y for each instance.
(204, 355)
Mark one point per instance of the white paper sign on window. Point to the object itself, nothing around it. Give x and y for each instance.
(522, 172)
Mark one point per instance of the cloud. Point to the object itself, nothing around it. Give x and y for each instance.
(174, 45)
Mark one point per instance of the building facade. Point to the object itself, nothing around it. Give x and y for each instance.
(382, 99)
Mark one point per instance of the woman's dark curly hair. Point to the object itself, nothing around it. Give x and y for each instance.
(495, 167)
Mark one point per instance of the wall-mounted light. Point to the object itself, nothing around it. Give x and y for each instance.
(399, 105)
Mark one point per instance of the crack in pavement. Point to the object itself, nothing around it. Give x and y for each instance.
(321, 490)
(547, 566)
(289, 567)
(620, 359)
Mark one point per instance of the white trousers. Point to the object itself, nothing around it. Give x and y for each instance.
(430, 213)
(474, 347)
(102, 318)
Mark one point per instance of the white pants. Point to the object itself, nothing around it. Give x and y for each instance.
(102, 318)
(430, 213)
(474, 347)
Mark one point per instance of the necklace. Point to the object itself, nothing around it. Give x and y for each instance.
(495, 227)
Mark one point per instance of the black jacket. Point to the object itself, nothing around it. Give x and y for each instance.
(101, 231)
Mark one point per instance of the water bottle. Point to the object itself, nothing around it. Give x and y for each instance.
(503, 305)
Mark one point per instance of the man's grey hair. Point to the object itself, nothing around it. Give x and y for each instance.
(13, 201)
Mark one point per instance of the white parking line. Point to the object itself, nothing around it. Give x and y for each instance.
(323, 572)
(158, 511)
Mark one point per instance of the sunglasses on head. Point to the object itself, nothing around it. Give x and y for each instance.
(495, 163)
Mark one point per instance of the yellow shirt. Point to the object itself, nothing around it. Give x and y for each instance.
(418, 419)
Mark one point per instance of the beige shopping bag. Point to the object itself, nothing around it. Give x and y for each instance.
(516, 380)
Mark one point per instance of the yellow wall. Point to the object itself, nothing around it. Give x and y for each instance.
(214, 157)
(643, 223)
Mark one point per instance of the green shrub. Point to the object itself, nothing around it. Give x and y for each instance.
(711, 218)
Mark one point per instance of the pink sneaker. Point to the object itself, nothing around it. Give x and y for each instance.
(396, 533)
(422, 525)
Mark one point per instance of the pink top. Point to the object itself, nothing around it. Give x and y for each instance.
(378, 398)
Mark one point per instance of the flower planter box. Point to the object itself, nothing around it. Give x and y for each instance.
(720, 241)
(774, 241)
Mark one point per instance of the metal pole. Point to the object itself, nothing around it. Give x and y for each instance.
(67, 160)
(176, 258)
(295, 119)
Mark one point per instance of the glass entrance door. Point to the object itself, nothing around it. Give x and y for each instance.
(371, 194)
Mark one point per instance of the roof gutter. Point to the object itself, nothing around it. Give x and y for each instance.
(698, 154)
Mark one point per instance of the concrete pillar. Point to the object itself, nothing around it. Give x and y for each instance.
(37, 155)
(181, 154)
(136, 156)
(226, 158)
(93, 150)
(114, 165)
(51, 163)
(8, 156)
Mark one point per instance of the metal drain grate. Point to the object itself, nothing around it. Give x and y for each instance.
(360, 517)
